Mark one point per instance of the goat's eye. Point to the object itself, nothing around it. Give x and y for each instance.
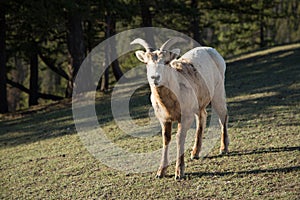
(162, 53)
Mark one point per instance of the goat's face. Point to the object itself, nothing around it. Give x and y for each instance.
(157, 65)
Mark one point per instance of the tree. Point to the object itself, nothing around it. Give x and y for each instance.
(195, 22)
(77, 13)
(146, 20)
(3, 92)
(75, 42)
(34, 77)
(112, 13)
(31, 24)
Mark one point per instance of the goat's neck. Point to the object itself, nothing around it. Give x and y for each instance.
(167, 94)
(173, 82)
(165, 103)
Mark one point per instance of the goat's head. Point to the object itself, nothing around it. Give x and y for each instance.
(157, 60)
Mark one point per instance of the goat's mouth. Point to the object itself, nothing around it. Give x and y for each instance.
(155, 83)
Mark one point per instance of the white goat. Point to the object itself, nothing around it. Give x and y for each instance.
(181, 89)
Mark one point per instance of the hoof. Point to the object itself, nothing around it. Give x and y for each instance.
(224, 152)
(158, 176)
(195, 157)
(161, 172)
(178, 178)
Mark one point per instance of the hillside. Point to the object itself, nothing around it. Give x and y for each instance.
(42, 156)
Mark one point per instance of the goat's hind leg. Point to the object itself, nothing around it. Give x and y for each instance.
(224, 135)
(201, 123)
(219, 105)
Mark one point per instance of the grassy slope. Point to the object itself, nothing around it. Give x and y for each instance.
(43, 157)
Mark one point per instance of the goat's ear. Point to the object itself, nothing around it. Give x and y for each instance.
(175, 53)
(176, 65)
(141, 55)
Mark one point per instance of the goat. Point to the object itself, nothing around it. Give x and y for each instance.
(182, 88)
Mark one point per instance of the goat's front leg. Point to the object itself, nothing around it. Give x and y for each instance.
(166, 134)
(180, 140)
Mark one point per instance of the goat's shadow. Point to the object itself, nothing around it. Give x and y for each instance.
(200, 174)
(256, 151)
(250, 172)
(245, 172)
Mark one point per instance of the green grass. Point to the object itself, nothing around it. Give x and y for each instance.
(42, 156)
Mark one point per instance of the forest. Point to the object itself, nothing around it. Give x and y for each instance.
(43, 43)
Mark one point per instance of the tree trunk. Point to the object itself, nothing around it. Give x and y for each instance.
(147, 21)
(261, 27)
(115, 64)
(75, 42)
(3, 91)
(33, 83)
(110, 53)
(18, 75)
(69, 88)
(195, 22)
(104, 81)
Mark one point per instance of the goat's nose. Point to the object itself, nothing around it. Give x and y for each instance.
(155, 77)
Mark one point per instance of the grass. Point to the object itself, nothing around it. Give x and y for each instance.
(42, 156)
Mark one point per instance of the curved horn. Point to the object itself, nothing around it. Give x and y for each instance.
(171, 42)
(143, 43)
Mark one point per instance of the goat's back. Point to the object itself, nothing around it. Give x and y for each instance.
(209, 63)
(206, 57)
